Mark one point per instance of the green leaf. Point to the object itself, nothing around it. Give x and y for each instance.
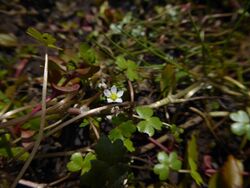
(131, 64)
(132, 74)
(35, 34)
(104, 175)
(155, 122)
(117, 120)
(174, 162)
(76, 162)
(195, 175)
(240, 116)
(130, 67)
(127, 128)
(145, 127)
(48, 39)
(149, 125)
(162, 157)
(192, 159)
(129, 145)
(238, 128)
(84, 123)
(124, 132)
(192, 148)
(87, 53)
(44, 38)
(213, 181)
(73, 167)
(144, 112)
(166, 162)
(110, 167)
(4, 100)
(162, 170)
(33, 124)
(110, 152)
(248, 131)
(121, 62)
(167, 81)
(86, 165)
(115, 134)
(15, 151)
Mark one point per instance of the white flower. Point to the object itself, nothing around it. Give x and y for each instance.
(113, 95)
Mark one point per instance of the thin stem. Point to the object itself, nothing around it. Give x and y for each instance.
(42, 124)
(158, 144)
(243, 142)
(150, 146)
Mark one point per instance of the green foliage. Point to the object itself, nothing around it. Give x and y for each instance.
(77, 162)
(150, 123)
(110, 167)
(144, 112)
(124, 132)
(87, 54)
(14, 152)
(84, 123)
(33, 124)
(4, 100)
(192, 160)
(166, 163)
(130, 68)
(176, 132)
(242, 123)
(44, 38)
(167, 81)
(7, 151)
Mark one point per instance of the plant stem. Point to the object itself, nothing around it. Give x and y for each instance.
(243, 142)
(42, 124)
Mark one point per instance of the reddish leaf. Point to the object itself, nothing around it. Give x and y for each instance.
(87, 72)
(66, 89)
(20, 66)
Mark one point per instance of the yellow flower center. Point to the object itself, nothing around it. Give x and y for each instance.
(113, 96)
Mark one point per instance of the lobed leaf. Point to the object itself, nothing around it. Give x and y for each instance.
(162, 170)
(240, 116)
(144, 112)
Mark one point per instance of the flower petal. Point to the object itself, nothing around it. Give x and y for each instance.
(113, 89)
(107, 93)
(119, 100)
(109, 100)
(120, 93)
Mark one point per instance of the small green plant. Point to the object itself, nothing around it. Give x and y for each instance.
(78, 163)
(166, 163)
(241, 125)
(149, 123)
(192, 160)
(44, 38)
(124, 131)
(129, 67)
(110, 166)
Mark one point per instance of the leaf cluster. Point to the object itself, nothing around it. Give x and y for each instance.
(123, 131)
(129, 67)
(166, 163)
(149, 123)
(241, 125)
